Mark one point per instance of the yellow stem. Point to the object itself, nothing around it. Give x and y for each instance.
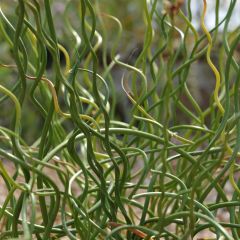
(210, 63)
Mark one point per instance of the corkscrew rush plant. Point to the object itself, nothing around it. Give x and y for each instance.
(119, 120)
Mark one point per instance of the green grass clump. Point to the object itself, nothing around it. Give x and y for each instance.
(105, 132)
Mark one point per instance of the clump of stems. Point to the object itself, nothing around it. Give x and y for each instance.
(117, 147)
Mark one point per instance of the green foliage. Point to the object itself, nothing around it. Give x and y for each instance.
(105, 126)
